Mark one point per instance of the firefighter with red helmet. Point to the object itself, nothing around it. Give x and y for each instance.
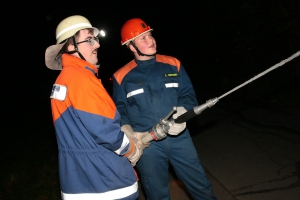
(144, 91)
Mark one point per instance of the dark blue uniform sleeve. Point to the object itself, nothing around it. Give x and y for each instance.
(186, 94)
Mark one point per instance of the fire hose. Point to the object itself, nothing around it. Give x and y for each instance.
(160, 130)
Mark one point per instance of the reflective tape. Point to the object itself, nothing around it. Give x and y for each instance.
(123, 145)
(135, 92)
(169, 85)
(113, 194)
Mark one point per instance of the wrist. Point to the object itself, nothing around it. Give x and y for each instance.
(130, 149)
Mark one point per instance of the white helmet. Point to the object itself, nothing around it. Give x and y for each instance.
(65, 29)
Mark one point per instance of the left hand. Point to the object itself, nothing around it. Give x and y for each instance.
(176, 128)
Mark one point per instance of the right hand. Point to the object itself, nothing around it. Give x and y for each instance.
(138, 142)
(176, 128)
(143, 138)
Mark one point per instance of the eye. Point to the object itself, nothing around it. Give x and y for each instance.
(90, 41)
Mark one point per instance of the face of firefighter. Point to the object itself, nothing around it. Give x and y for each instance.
(87, 46)
(146, 44)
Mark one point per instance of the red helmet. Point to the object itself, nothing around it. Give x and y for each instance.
(132, 29)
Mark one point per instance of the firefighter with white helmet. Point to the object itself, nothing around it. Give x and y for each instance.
(95, 156)
(65, 32)
(145, 90)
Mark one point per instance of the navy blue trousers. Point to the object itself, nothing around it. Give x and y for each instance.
(180, 152)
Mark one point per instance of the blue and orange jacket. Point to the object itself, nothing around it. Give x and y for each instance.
(146, 91)
(90, 142)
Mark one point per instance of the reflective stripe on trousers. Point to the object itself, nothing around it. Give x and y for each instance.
(110, 195)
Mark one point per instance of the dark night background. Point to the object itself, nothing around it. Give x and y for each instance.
(221, 44)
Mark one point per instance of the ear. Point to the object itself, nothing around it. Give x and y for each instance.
(71, 47)
(132, 48)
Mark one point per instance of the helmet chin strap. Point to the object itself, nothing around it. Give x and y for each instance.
(97, 65)
(76, 49)
(139, 52)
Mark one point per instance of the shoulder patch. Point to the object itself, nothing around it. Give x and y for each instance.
(121, 73)
(168, 60)
(59, 92)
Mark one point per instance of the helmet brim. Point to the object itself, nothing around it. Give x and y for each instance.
(135, 37)
(52, 59)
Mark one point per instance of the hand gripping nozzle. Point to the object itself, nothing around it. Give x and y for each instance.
(160, 130)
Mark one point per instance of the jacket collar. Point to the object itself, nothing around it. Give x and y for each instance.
(69, 60)
(145, 63)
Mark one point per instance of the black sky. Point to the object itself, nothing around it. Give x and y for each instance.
(221, 44)
(201, 34)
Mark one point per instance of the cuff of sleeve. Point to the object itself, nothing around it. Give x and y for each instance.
(131, 150)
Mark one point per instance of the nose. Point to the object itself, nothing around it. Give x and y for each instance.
(150, 39)
(97, 44)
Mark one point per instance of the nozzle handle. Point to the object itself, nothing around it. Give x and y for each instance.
(186, 116)
(196, 110)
